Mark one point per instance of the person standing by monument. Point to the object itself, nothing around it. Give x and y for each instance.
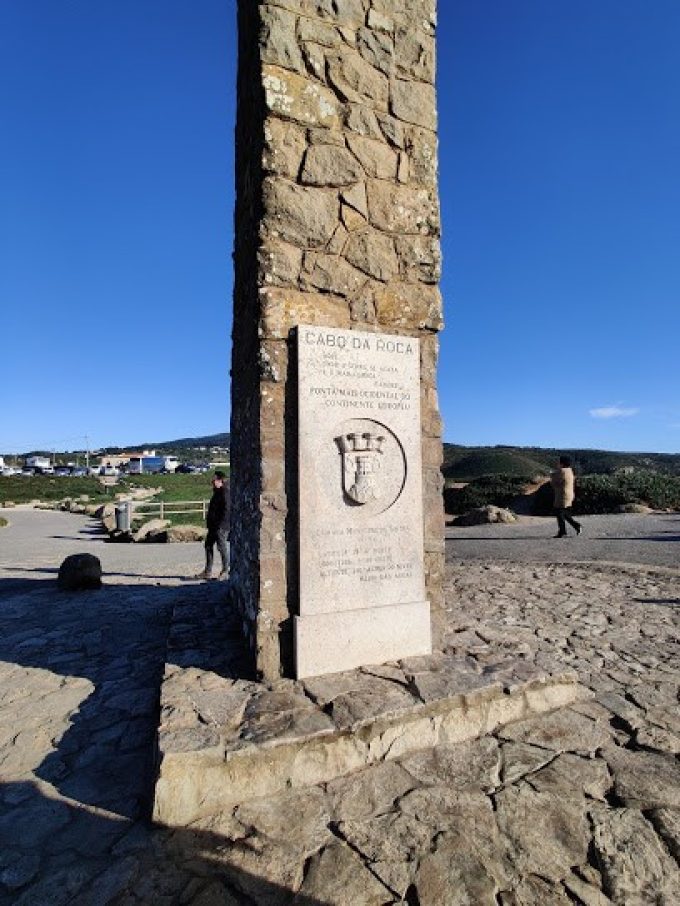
(217, 521)
(562, 481)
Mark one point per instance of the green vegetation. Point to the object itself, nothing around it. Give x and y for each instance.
(171, 487)
(606, 493)
(3, 522)
(594, 493)
(48, 489)
(23, 489)
(467, 463)
(462, 465)
(499, 490)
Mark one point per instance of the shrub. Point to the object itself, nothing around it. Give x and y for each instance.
(499, 490)
(606, 493)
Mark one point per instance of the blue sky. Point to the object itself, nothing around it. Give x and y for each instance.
(560, 191)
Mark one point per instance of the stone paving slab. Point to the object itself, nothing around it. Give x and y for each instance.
(221, 736)
(580, 810)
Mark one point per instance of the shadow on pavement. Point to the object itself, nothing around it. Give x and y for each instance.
(109, 572)
(117, 638)
(56, 853)
(661, 602)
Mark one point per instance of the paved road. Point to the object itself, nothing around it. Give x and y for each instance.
(652, 540)
(36, 542)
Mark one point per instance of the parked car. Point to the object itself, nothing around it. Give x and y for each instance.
(108, 471)
(78, 472)
(62, 471)
(93, 470)
(187, 469)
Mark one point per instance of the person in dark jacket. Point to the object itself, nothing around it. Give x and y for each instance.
(217, 521)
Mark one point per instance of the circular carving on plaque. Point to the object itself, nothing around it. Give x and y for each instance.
(372, 464)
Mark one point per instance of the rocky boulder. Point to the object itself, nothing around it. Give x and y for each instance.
(107, 514)
(185, 533)
(80, 571)
(148, 529)
(485, 515)
(640, 508)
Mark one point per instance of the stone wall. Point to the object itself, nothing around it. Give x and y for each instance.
(337, 224)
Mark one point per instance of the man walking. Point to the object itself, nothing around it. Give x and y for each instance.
(562, 481)
(217, 521)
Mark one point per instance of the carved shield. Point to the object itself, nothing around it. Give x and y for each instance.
(361, 463)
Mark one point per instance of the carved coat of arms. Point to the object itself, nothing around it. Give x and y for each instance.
(361, 461)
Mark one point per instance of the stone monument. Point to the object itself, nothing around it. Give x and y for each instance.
(337, 533)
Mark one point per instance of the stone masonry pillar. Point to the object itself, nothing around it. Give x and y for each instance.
(337, 224)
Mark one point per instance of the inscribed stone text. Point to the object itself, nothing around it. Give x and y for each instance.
(360, 485)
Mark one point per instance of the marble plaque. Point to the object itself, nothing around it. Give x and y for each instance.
(362, 584)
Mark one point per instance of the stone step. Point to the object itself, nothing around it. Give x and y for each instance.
(223, 739)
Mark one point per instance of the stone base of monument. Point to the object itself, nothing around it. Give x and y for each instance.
(223, 739)
(332, 642)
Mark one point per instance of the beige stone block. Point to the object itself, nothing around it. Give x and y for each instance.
(279, 263)
(332, 642)
(553, 695)
(402, 209)
(278, 39)
(376, 158)
(316, 136)
(377, 48)
(330, 165)
(355, 197)
(373, 253)
(315, 59)
(323, 33)
(330, 273)
(413, 102)
(295, 97)
(392, 129)
(414, 54)
(283, 309)
(404, 737)
(352, 219)
(421, 145)
(429, 355)
(338, 241)
(433, 452)
(419, 258)
(362, 120)
(409, 305)
(284, 145)
(337, 12)
(302, 215)
(322, 760)
(504, 710)
(273, 360)
(356, 80)
(461, 723)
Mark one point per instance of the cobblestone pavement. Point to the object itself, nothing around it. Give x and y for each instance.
(579, 806)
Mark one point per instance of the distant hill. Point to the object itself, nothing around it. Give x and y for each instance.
(467, 463)
(190, 449)
(462, 463)
(208, 440)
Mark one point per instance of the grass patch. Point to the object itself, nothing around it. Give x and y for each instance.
(24, 488)
(171, 487)
(3, 522)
